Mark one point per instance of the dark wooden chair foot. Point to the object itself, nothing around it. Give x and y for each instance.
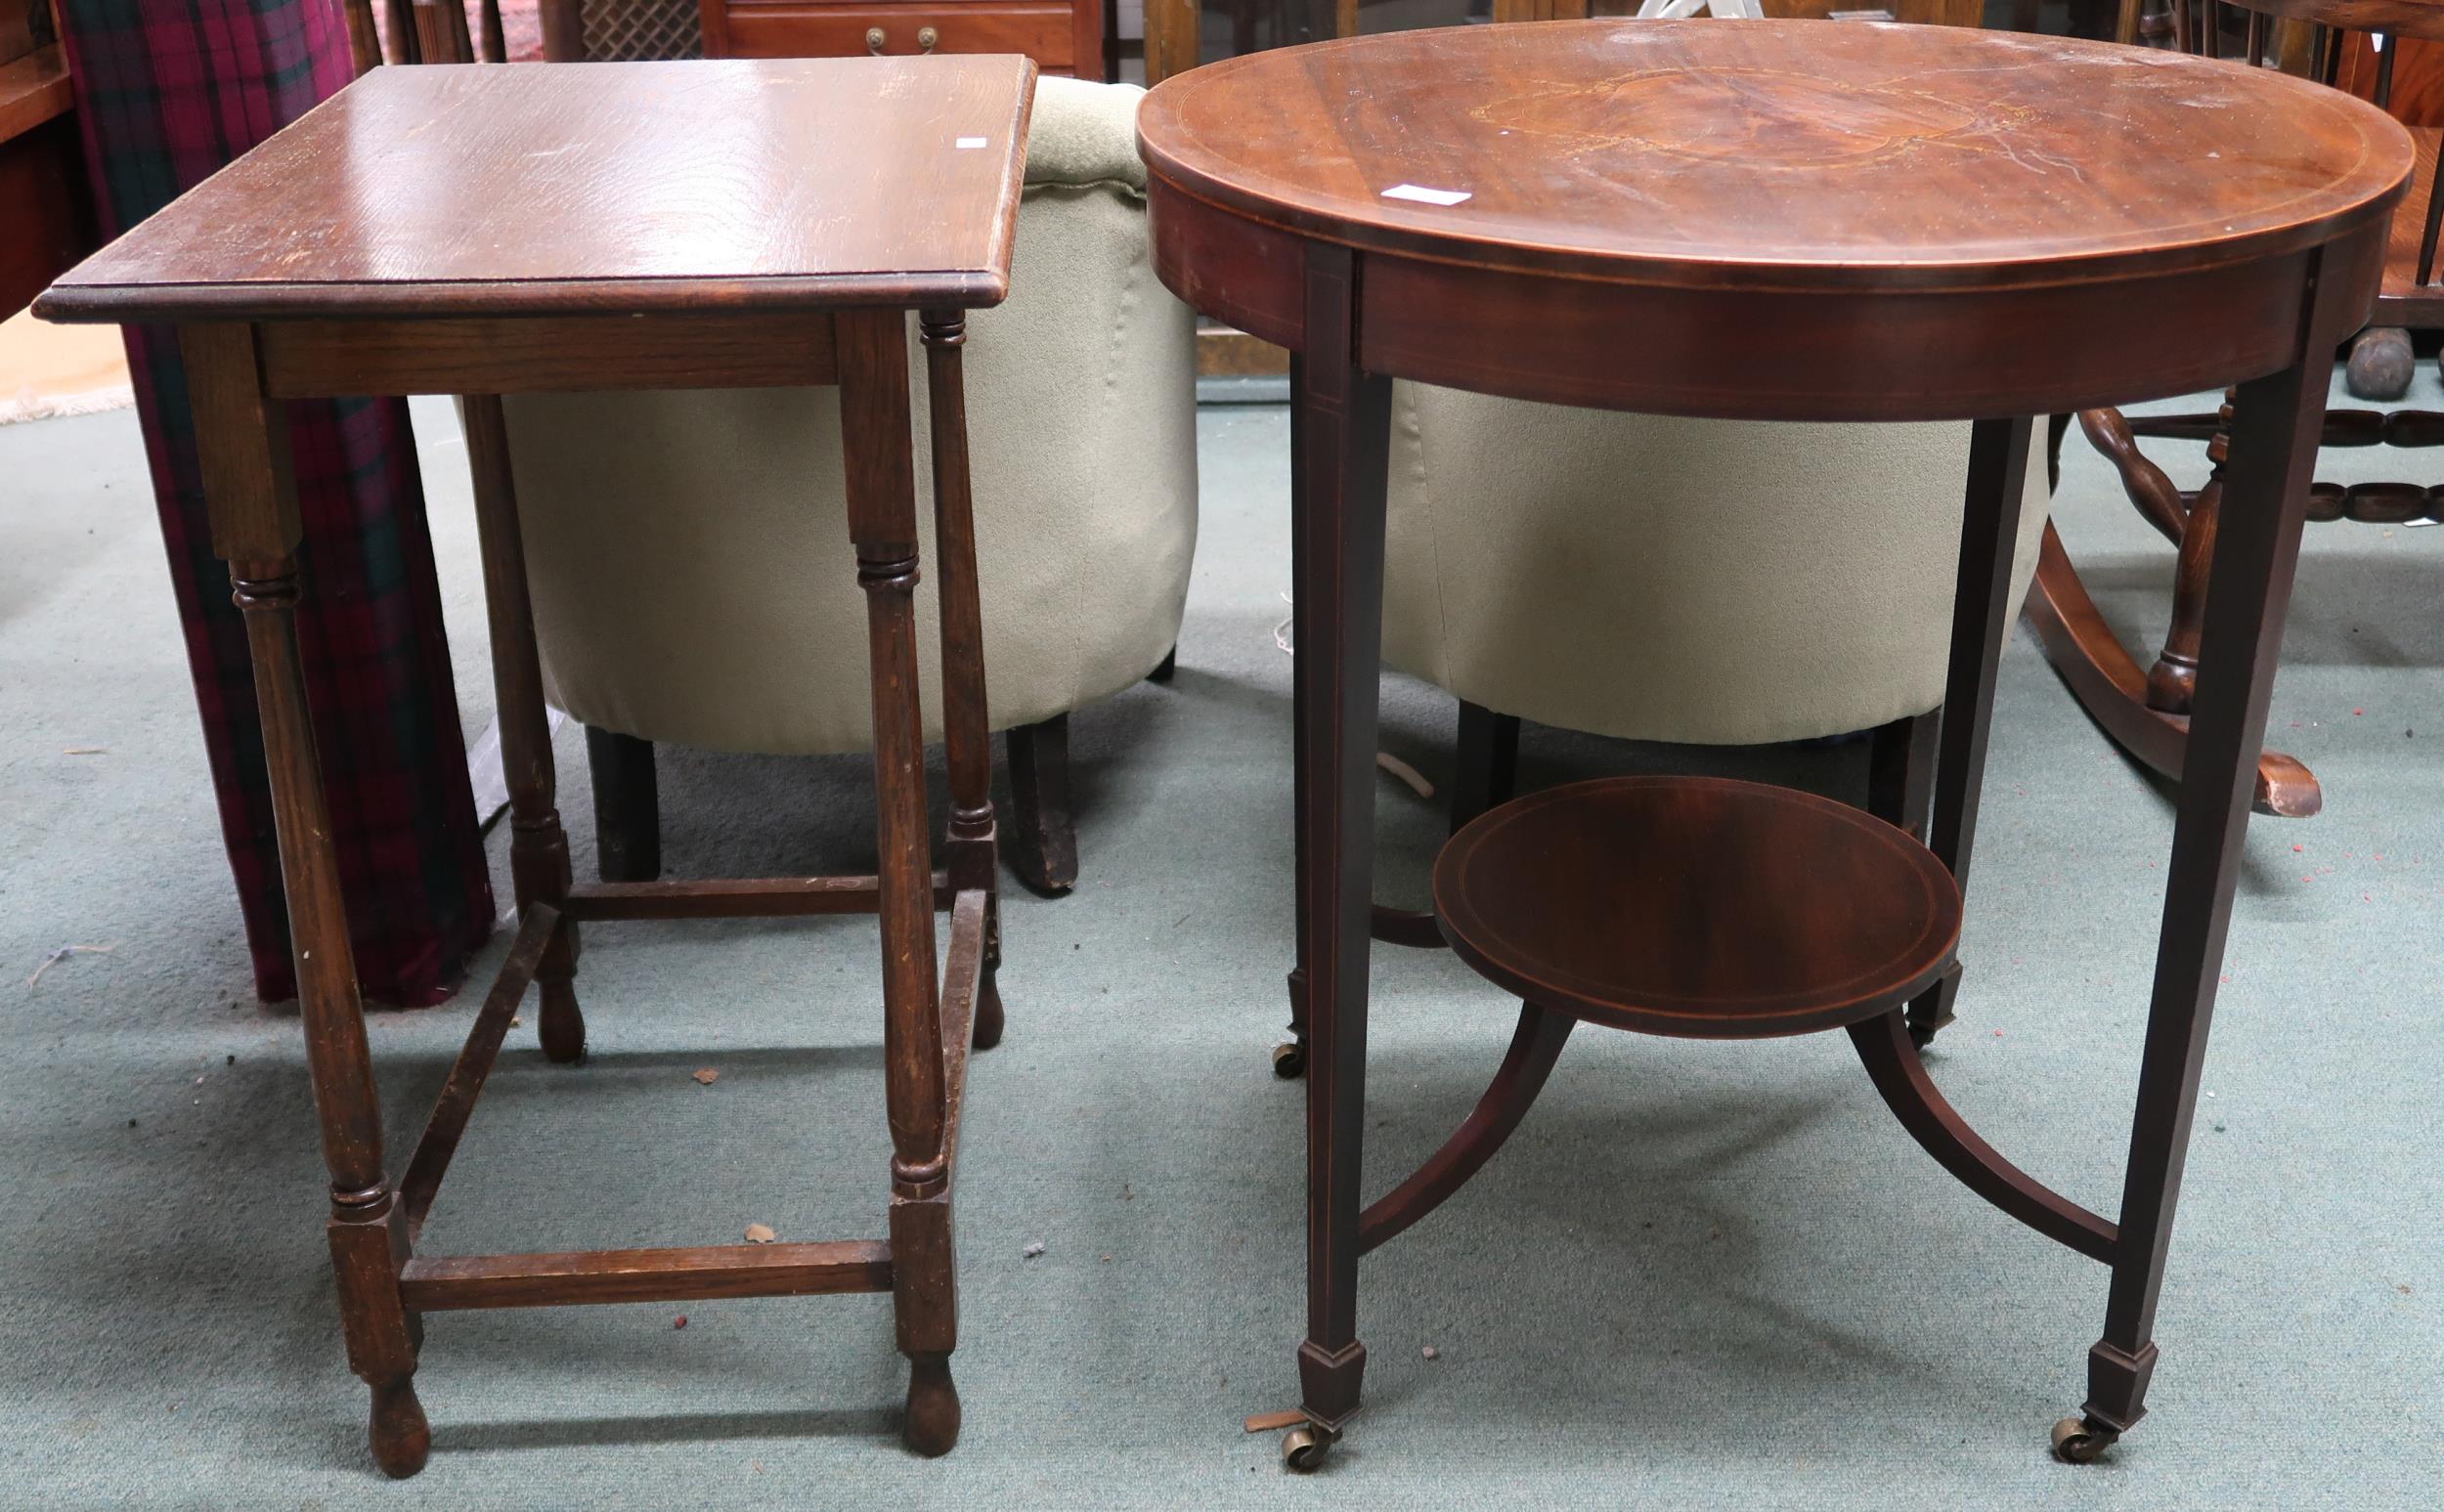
(398, 1432)
(1165, 668)
(933, 1422)
(627, 806)
(1485, 765)
(563, 1026)
(989, 1023)
(1043, 842)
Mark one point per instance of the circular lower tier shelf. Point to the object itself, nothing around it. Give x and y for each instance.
(1697, 906)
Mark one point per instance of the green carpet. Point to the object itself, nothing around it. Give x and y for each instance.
(1700, 1276)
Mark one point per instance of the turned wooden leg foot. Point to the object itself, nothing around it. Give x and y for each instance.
(563, 1026)
(398, 1432)
(933, 1422)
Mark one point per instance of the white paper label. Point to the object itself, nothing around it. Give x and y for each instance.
(1423, 196)
(967, 143)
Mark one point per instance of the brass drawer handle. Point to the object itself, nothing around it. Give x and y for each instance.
(926, 38)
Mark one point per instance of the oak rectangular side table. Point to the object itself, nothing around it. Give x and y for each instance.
(481, 231)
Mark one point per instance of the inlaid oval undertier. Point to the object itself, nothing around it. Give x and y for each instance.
(1698, 907)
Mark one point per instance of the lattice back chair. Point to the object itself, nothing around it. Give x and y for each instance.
(573, 31)
(2146, 712)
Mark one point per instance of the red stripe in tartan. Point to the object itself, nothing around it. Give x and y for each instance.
(168, 92)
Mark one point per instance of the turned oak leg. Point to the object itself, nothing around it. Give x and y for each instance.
(242, 439)
(1344, 438)
(880, 463)
(539, 847)
(627, 806)
(1044, 853)
(966, 733)
(1485, 765)
(1990, 530)
(2276, 424)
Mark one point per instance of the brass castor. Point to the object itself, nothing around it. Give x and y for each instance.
(2079, 1440)
(1303, 1449)
(1290, 1059)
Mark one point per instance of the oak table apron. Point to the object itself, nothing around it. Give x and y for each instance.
(1787, 221)
(483, 232)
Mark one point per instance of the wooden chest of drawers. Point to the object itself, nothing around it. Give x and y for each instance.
(1063, 36)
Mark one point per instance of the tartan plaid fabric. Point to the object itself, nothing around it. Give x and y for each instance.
(167, 92)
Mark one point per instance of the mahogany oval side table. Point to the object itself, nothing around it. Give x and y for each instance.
(1763, 220)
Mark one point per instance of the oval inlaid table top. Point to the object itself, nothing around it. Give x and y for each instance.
(1777, 154)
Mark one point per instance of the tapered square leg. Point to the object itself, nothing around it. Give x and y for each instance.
(1344, 438)
(1990, 533)
(2276, 424)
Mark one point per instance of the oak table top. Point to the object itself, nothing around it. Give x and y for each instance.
(643, 187)
(1782, 153)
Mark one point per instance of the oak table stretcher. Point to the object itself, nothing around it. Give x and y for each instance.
(1762, 220)
(481, 231)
